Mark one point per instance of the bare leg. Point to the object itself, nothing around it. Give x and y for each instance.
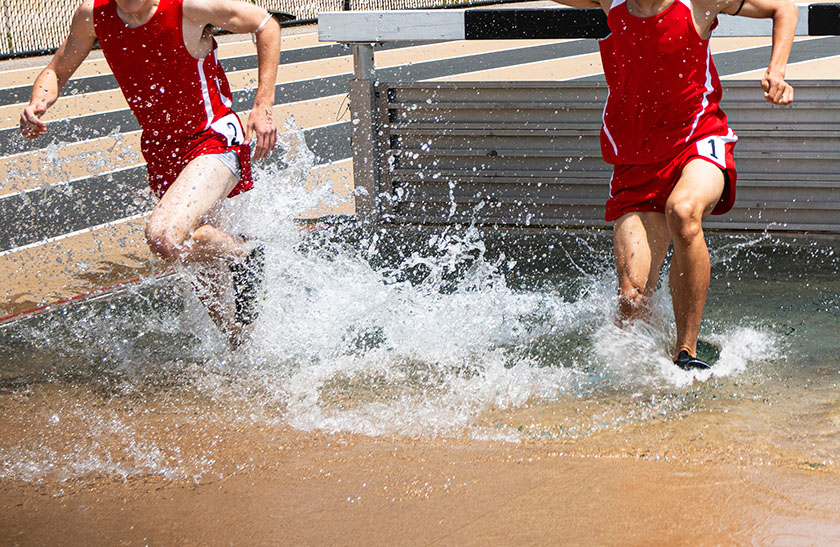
(209, 284)
(692, 200)
(180, 228)
(641, 241)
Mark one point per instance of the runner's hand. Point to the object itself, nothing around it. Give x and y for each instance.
(261, 123)
(30, 124)
(776, 89)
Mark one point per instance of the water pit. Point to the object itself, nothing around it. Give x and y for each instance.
(424, 361)
(490, 335)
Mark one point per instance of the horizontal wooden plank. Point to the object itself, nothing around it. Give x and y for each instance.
(531, 154)
(575, 178)
(492, 152)
(420, 129)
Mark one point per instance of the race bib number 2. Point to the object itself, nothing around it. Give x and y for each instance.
(230, 128)
(713, 148)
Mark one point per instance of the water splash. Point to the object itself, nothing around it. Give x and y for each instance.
(445, 332)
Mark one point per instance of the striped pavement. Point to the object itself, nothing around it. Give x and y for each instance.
(72, 202)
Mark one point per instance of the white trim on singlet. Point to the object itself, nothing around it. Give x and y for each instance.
(730, 136)
(686, 3)
(227, 101)
(705, 104)
(205, 92)
(616, 3)
(604, 124)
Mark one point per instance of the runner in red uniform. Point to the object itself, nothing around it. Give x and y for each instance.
(668, 140)
(164, 59)
(186, 111)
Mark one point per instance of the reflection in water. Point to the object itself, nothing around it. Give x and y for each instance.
(451, 332)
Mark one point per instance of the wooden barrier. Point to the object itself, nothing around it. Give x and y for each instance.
(527, 154)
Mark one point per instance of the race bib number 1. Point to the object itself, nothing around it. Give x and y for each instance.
(230, 128)
(713, 148)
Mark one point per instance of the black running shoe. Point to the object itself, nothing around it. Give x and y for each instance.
(248, 276)
(687, 362)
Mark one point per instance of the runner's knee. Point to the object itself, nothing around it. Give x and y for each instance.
(685, 218)
(162, 241)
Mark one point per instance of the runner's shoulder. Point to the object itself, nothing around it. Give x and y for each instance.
(714, 7)
(85, 9)
(204, 11)
(83, 18)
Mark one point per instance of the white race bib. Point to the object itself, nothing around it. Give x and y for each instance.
(714, 148)
(230, 127)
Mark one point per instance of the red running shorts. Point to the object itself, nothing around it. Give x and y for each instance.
(647, 187)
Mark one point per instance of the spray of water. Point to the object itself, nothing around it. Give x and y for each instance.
(358, 335)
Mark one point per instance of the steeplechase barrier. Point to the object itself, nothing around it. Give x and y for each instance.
(38, 27)
(528, 153)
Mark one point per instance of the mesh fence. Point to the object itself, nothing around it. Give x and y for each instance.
(35, 26)
(32, 25)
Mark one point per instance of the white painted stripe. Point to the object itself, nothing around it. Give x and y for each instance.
(92, 139)
(818, 59)
(325, 125)
(97, 58)
(135, 166)
(529, 63)
(441, 57)
(205, 92)
(705, 104)
(71, 181)
(581, 77)
(72, 234)
(348, 161)
(137, 131)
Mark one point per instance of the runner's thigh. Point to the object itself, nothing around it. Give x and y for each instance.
(701, 184)
(195, 194)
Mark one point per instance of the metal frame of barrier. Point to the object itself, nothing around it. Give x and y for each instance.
(428, 153)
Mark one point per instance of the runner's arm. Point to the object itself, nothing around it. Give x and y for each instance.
(785, 16)
(261, 119)
(51, 80)
(239, 17)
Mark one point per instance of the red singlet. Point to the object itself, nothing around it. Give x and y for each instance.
(183, 104)
(664, 97)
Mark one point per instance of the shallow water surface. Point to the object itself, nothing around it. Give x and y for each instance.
(494, 335)
(498, 336)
